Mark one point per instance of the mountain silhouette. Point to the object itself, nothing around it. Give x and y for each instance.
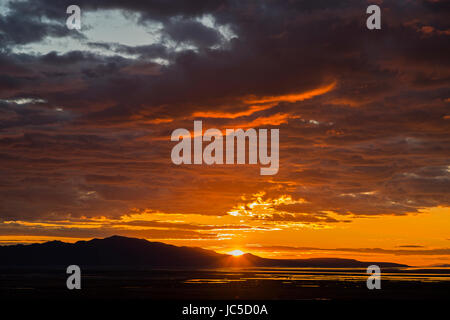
(123, 251)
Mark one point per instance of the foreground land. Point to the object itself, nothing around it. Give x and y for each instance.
(224, 284)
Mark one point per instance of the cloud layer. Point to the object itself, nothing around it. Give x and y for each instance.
(363, 115)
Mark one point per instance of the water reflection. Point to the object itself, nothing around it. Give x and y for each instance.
(293, 275)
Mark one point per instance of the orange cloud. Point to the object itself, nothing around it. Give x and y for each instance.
(264, 103)
(231, 115)
(293, 97)
(274, 120)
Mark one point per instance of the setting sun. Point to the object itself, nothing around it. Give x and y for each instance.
(236, 253)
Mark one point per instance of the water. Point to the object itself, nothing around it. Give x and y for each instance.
(229, 283)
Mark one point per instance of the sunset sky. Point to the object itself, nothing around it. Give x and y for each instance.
(364, 119)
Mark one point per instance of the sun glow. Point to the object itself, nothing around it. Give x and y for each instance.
(236, 253)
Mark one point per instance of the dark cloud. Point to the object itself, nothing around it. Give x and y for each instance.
(410, 246)
(153, 9)
(73, 232)
(145, 51)
(22, 26)
(192, 32)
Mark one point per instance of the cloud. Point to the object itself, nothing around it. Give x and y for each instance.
(362, 115)
(398, 252)
(410, 246)
(74, 232)
(193, 33)
(135, 225)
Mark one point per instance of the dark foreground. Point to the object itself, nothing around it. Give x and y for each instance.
(225, 284)
(166, 294)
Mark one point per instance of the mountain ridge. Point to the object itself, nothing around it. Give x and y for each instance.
(125, 251)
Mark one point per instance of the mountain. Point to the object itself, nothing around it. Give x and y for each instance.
(123, 251)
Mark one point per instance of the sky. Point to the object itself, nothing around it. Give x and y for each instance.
(86, 118)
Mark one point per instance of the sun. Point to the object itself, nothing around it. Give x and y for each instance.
(236, 253)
